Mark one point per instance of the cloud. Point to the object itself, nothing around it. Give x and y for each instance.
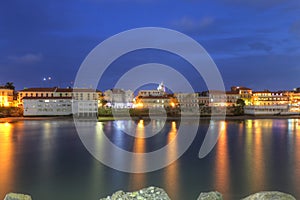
(260, 46)
(295, 28)
(255, 3)
(191, 25)
(27, 58)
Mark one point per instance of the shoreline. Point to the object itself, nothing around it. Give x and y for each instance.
(111, 118)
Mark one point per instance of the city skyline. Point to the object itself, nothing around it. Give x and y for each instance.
(253, 43)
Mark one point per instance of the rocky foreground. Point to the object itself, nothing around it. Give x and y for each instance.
(155, 193)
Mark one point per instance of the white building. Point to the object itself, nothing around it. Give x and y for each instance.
(47, 106)
(118, 98)
(59, 101)
(267, 110)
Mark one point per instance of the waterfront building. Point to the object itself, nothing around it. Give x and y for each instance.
(47, 106)
(268, 98)
(203, 100)
(267, 110)
(57, 101)
(217, 98)
(155, 99)
(294, 101)
(160, 91)
(244, 93)
(6, 97)
(165, 101)
(118, 98)
(232, 97)
(188, 101)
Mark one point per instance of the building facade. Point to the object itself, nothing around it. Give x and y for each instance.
(268, 98)
(118, 98)
(188, 101)
(47, 106)
(166, 101)
(6, 97)
(57, 101)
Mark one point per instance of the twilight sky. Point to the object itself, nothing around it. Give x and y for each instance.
(255, 43)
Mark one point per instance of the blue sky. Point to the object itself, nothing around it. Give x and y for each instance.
(255, 43)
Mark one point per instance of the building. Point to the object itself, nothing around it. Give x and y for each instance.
(232, 97)
(57, 101)
(294, 101)
(155, 99)
(165, 101)
(267, 110)
(203, 100)
(6, 97)
(216, 98)
(244, 93)
(187, 101)
(47, 106)
(268, 98)
(118, 98)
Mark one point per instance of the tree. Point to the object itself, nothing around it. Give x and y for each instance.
(239, 109)
(240, 102)
(10, 85)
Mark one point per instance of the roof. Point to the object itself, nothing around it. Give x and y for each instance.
(47, 98)
(57, 89)
(4, 88)
(241, 88)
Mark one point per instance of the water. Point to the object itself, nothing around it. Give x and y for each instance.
(47, 160)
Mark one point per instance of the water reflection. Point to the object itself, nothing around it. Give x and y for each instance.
(295, 129)
(138, 164)
(6, 157)
(48, 160)
(255, 157)
(171, 175)
(222, 171)
(258, 159)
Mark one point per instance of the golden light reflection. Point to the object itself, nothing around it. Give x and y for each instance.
(258, 160)
(138, 181)
(171, 176)
(297, 154)
(254, 153)
(222, 173)
(6, 157)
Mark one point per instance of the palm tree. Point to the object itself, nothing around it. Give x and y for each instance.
(10, 85)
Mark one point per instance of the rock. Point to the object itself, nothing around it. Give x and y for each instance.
(210, 196)
(152, 193)
(270, 196)
(15, 196)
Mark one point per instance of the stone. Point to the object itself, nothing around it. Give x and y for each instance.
(150, 193)
(272, 195)
(15, 196)
(210, 196)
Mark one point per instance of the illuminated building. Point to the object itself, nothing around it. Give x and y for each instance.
(267, 98)
(155, 99)
(166, 101)
(59, 101)
(6, 97)
(244, 93)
